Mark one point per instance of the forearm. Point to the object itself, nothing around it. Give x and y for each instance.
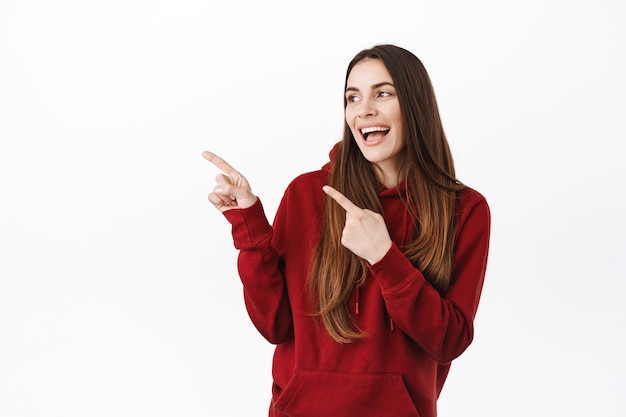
(261, 273)
(441, 328)
(441, 324)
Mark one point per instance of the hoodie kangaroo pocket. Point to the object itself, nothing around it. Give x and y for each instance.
(316, 394)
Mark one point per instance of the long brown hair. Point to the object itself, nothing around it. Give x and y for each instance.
(427, 170)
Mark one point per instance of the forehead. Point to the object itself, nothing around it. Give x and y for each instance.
(367, 73)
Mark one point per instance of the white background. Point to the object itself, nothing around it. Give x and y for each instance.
(119, 294)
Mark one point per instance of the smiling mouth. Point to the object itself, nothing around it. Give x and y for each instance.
(375, 131)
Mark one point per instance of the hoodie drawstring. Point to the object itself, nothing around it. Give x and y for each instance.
(357, 310)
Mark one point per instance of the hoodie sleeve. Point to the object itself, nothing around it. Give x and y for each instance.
(261, 272)
(441, 325)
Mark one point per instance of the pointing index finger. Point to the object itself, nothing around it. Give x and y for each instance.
(219, 162)
(341, 199)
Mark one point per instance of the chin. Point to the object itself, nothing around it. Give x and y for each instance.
(375, 156)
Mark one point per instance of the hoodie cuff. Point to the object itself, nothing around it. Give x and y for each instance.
(249, 226)
(394, 270)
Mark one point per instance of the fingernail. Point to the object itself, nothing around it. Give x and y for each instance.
(217, 190)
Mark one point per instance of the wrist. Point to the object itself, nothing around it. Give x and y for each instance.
(380, 255)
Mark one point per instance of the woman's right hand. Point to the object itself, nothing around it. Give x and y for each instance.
(232, 189)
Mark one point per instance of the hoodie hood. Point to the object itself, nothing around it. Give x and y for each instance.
(332, 156)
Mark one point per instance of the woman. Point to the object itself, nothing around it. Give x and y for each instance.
(369, 279)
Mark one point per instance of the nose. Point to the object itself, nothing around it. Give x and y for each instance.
(367, 108)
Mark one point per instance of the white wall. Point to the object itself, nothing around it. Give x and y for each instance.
(118, 288)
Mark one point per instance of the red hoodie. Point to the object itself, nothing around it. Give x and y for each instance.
(413, 333)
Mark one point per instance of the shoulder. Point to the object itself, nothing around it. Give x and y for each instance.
(305, 191)
(473, 207)
(302, 203)
(470, 197)
(308, 180)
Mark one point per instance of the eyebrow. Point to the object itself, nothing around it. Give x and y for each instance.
(375, 86)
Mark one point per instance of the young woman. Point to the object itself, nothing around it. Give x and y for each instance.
(369, 279)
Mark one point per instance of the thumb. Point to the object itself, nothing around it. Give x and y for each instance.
(234, 196)
(222, 179)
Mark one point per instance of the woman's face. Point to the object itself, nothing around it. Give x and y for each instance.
(374, 117)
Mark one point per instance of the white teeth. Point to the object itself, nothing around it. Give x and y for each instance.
(367, 130)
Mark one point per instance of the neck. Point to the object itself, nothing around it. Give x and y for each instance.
(387, 177)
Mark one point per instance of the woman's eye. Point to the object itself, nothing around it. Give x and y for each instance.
(384, 94)
(352, 99)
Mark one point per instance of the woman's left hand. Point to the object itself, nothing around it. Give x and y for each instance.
(365, 232)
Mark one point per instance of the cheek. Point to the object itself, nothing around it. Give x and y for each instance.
(350, 121)
(348, 116)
